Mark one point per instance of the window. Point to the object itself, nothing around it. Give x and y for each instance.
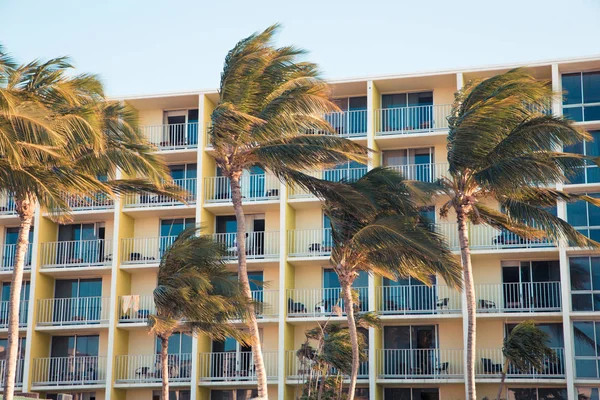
(332, 291)
(85, 244)
(531, 285)
(537, 394)
(411, 394)
(585, 217)
(21, 351)
(23, 305)
(414, 164)
(582, 101)
(585, 283)
(170, 229)
(239, 394)
(586, 335)
(76, 396)
(409, 295)
(352, 120)
(173, 395)
(588, 393)
(406, 111)
(184, 175)
(410, 350)
(591, 173)
(179, 343)
(10, 247)
(74, 346)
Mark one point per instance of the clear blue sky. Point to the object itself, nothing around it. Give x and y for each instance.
(140, 47)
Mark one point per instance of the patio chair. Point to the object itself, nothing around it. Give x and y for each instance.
(443, 303)
(442, 368)
(486, 304)
(295, 307)
(489, 367)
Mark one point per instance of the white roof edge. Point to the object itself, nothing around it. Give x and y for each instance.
(491, 67)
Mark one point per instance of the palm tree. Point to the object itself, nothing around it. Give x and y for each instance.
(58, 136)
(195, 294)
(502, 148)
(525, 347)
(377, 228)
(269, 103)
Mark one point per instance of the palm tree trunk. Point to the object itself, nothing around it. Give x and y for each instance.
(259, 365)
(25, 209)
(469, 287)
(349, 308)
(502, 378)
(164, 366)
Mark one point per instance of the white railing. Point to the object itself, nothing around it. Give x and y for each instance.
(310, 242)
(259, 245)
(147, 250)
(449, 230)
(5, 311)
(418, 299)
(19, 372)
(257, 187)
(98, 201)
(154, 200)
(73, 311)
(422, 172)
(8, 257)
(235, 366)
(147, 368)
(413, 119)
(490, 362)
(518, 297)
(420, 363)
(348, 123)
(322, 302)
(332, 175)
(135, 308)
(76, 253)
(69, 371)
(267, 303)
(173, 136)
(302, 368)
(7, 205)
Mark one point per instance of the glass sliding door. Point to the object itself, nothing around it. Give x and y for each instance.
(78, 300)
(84, 243)
(23, 305)
(179, 356)
(407, 111)
(531, 285)
(410, 350)
(170, 229)
(409, 295)
(10, 246)
(332, 292)
(75, 358)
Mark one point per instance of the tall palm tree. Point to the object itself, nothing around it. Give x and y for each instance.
(525, 347)
(58, 136)
(195, 294)
(377, 228)
(502, 148)
(269, 103)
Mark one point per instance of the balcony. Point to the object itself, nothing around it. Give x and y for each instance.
(147, 368)
(489, 364)
(99, 201)
(135, 308)
(348, 123)
(7, 205)
(301, 368)
(173, 136)
(422, 172)
(518, 297)
(418, 299)
(8, 257)
(76, 254)
(310, 243)
(332, 175)
(19, 372)
(414, 119)
(150, 200)
(74, 311)
(267, 303)
(258, 187)
(235, 366)
(69, 371)
(420, 364)
(259, 245)
(4, 312)
(144, 251)
(326, 302)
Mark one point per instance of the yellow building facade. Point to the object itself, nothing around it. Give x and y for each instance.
(89, 283)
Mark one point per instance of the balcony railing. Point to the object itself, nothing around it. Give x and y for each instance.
(413, 119)
(99, 201)
(8, 257)
(7, 205)
(145, 250)
(518, 297)
(422, 172)
(259, 187)
(135, 308)
(348, 123)
(332, 175)
(420, 363)
(76, 253)
(147, 368)
(145, 200)
(73, 311)
(19, 372)
(259, 245)
(267, 303)
(418, 299)
(69, 371)
(489, 363)
(235, 366)
(5, 311)
(173, 136)
(302, 368)
(310, 242)
(322, 302)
